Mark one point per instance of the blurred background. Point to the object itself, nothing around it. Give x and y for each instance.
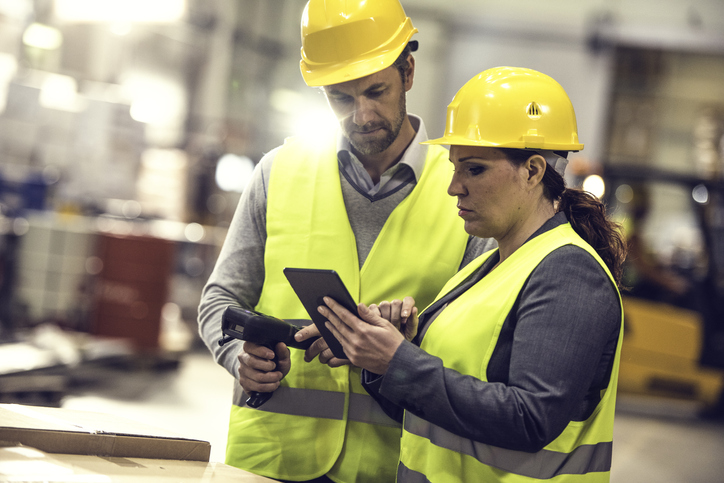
(128, 130)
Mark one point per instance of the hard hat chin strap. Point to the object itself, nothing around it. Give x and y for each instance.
(555, 161)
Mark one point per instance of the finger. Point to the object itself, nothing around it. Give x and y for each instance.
(334, 322)
(317, 347)
(284, 360)
(337, 334)
(263, 382)
(342, 318)
(327, 357)
(373, 309)
(307, 332)
(252, 379)
(368, 314)
(385, 309)
(395, 312)
(335, 362)
(411, 325)
(257, 350)
(407, 304)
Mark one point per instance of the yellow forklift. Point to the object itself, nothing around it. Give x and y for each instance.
(674, 309)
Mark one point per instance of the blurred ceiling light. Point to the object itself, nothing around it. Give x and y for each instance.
(595, 185)
(314, 123)
(121, 28)
(624, 193)
(60, 92)
(194, 232)
(306, 118)
(155, 100)
(157, 11)
(8, 68)
(42, 37)
(233, 172)
(286, 100)
(700, 194)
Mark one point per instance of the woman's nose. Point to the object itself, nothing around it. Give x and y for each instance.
(455, 188)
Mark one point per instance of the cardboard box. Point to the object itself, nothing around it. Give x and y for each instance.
(56, 430)
(22, 463)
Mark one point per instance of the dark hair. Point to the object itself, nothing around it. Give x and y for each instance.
(586, 214)
(401, 63)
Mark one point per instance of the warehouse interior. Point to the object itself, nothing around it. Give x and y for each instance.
(128, 131)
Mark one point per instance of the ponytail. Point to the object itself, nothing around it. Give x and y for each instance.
(586, 214)
(588, 218)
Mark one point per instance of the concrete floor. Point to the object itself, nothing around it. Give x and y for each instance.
(655, 441)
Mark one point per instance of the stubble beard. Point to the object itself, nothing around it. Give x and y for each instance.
(392, 130)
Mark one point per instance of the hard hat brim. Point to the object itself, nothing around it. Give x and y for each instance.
(317, 75)
(463, 141)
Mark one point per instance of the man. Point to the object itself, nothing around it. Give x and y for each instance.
(370, 203)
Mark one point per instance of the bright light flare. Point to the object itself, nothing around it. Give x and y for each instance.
(595, 185)
(155, 11)
(155, 100)
(624, 193)
(233, 172)
(700, 194)
(60, 92)
(314, 123)
(42, 37)
(306, 118)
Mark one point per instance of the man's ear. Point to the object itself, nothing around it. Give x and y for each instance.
(409, 72)
(536, 167)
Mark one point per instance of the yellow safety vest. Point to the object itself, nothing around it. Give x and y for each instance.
(465, 341)
(321, 420)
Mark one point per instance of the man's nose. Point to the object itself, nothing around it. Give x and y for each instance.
(363, 112)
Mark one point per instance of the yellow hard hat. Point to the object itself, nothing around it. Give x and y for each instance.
(511, 107)
(343, 40)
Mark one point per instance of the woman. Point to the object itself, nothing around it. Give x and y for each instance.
(512, 375)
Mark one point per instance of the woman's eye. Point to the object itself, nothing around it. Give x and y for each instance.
(475, 170)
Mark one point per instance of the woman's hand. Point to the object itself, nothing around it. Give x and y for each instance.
(401, 313)
(370, 342)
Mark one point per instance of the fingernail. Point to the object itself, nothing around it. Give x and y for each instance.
(320, 309)
(404, 313)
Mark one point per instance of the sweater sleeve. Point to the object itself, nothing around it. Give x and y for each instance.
(564, 332)
(238, 275)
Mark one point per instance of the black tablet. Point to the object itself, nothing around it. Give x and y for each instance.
(311, 286)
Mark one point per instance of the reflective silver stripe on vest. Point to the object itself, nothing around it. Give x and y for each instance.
(320, 404)
(364, 409)
(406, 475)
(543, 465)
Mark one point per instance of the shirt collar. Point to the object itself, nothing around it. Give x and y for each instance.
(414, 156)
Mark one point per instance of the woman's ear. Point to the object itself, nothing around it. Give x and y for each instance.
(536, 167)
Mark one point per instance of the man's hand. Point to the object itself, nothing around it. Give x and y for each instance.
(318, 348)
(370, 342)
(257, 369)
